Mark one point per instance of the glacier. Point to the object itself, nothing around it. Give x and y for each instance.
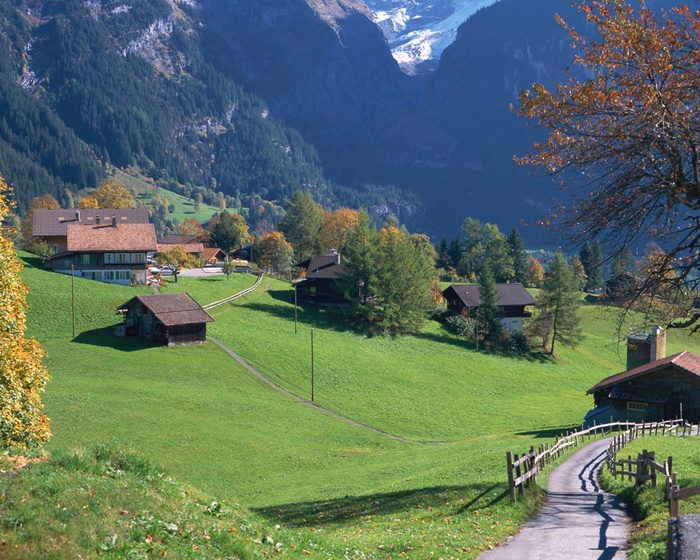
(419, 30)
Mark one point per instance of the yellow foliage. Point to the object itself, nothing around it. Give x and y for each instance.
(22, 377)
(113, 194)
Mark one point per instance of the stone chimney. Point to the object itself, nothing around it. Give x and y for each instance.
(646, 347)
(114, 221)
(77, 215)
(97, 220)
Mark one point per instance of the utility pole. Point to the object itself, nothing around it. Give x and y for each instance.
(72, 295)
(295, 309)
(312, 365)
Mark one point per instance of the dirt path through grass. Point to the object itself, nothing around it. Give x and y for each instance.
(309, 403)
(579, 520)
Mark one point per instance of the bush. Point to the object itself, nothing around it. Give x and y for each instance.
(461, 325)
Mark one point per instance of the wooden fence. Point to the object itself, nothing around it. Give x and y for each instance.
(234, 296)
(645, 468)
(523, 469)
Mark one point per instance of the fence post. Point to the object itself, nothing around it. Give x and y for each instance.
(652, 457)
(511, 485)
(518, 473)
(533, 465)
(673, 501)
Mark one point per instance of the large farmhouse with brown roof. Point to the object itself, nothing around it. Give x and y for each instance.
(165, 318)
(112, 252)
(653, 387)
(51, 226)
(513, 300)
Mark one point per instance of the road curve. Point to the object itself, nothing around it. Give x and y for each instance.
(579, 521)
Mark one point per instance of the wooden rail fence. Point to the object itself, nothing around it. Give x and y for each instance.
(523, 469)
(645, 467)
(214, 304)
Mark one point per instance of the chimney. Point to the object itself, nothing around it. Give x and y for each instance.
(114, 221)
(97, 220)
(77, 215)
(646, 347)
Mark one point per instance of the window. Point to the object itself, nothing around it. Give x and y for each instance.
(88, 259)
(638, 406)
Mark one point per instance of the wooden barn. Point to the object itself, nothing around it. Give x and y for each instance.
(165, 318)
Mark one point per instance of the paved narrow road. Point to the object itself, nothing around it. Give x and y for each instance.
(579, 521)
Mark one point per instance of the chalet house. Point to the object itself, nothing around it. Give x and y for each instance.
(513, 299)
(213, 256)
(320, 283)
(661, 388)
(195, 249)
(110, 252)
(51, 226)
(165, 318)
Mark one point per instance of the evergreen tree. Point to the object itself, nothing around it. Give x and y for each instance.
(442, 259)
(591, 257)
(490, 327)
(302, 225)
(579, 273)
(558, 306)
(455, 251)
(518, 255)
(622, 264)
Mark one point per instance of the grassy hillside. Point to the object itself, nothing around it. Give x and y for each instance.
(334, 488)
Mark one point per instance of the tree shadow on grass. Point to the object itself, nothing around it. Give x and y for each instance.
(549, 433)
(445, 338)
(309, 315)
(105, 339)
(340, 510)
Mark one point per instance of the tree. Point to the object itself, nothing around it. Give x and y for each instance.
(335, 227)
(498, 254)
(23, 423)
(388, 276)
(489, 325)
(111, 193)
(229, 231)
(192, 228)
(176, 258)
(535, 271)
(228, 268)
(591, 257)
(88, 202)
(275, 253)
(627, 136)
(301, 225)
(516, 248)
(579, 273)
(558, 306)
(45, 202)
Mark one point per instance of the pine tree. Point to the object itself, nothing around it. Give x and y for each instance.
(302, 225)
(490, 327)
(22, 377)
(557, 305)
(519, 256)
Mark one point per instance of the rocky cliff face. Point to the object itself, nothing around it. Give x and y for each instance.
(323, 66)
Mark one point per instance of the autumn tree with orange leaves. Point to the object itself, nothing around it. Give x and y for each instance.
(625, 141)
(22, 376)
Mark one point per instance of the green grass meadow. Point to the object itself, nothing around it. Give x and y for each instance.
(335, 489)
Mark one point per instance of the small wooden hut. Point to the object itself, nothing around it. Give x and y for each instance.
(165, 318)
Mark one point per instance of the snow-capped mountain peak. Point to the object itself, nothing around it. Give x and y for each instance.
(419, 30)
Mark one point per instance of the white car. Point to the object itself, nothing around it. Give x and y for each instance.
(165, 270)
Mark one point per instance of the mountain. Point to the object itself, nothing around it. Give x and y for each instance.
(418, 30)
(245, 102)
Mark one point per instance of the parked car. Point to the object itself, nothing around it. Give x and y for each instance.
(165, 270)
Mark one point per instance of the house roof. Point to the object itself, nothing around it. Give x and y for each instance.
(684, 361)
(508, 294)
(172, 309)
(122, 237)
(323, 266)
(54, 223)
(211, 252)
(176, 239)
(187, 247)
